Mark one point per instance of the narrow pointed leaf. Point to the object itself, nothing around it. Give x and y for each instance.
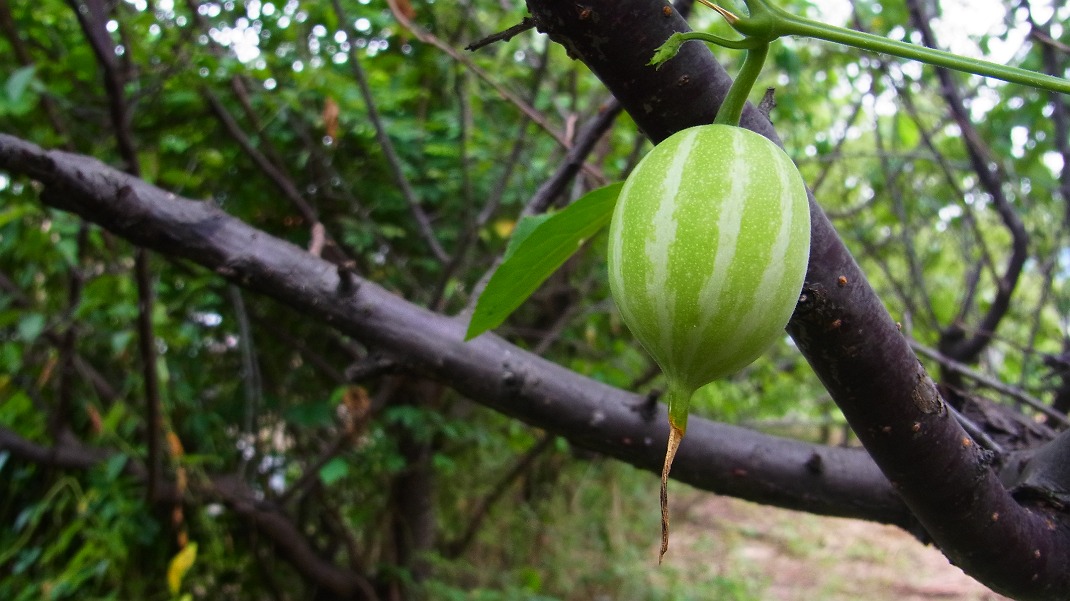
(539, 246)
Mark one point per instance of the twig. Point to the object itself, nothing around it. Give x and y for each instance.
(457, 547)
(251, 380)
(557, 182)
(277, 177)
(428, 38)
(575, 158)
(892, 178)
(968, 349)
(494, 199)
(147, 350)
(989, 382)
(503, 36)
(92, 20)
(387, 146)
(976, 432)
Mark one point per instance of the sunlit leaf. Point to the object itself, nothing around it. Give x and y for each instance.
(31, 326)
(180, 564)
(539, 246)
(334, 470)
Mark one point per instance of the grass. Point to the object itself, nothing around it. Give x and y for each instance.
(594, 535)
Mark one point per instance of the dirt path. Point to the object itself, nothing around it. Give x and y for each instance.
(792, 556)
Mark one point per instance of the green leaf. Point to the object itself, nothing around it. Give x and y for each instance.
(522, 231)
(666, 51)
(18, 82)
(536, 252)
(334, 470)
(113, 467)
(15, 213)
(31, 326)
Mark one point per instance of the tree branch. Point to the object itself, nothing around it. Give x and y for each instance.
(423, 222)
(717, 457)
(92, 16)
(954, 343)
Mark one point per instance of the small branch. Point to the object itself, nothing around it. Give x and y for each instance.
(575, 159)
(59, 418)
(92, 16)
(503, 36)
(495, 199)
(273, 173)
(906, 230)
(428, 38)
(389, 153)
(968, 349)
(989, 382)
(147, 351)
(837, 149)
(269, 521)
(264, 518)
(456, 548)
(312, 471)
(561, 178)
(250, 375)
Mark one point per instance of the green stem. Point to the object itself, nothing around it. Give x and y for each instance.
(769, 22)
(678, 398)
(743, 44)
(789, 24)
(732, 108)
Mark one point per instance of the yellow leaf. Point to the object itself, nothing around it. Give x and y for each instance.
(180, 564)
(504, 227)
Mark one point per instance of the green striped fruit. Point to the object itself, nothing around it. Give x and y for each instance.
(708, 248)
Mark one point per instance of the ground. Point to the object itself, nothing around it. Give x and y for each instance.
(761, 552)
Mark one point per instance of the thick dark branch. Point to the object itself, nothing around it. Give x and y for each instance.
(67, 453)
(841, 326)
(724, 459)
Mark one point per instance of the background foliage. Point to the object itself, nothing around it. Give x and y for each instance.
(369, 120)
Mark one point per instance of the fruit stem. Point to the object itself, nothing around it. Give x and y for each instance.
(678, 398)
(732, 108)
